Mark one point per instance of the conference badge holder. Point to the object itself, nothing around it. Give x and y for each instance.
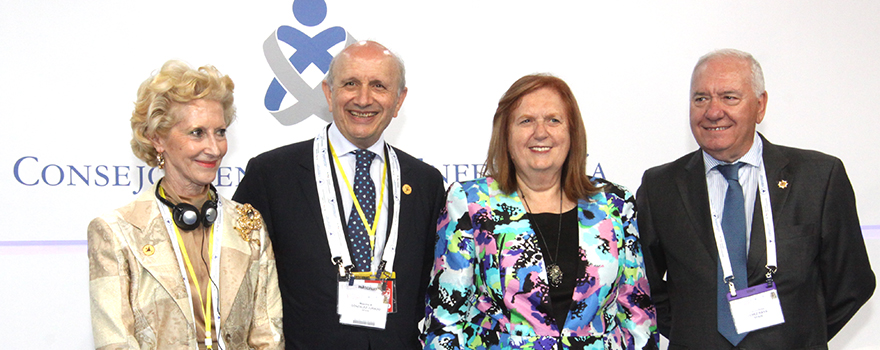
(365, 299)
(756, 307)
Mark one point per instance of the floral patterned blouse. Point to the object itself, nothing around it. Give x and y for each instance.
(489, 287)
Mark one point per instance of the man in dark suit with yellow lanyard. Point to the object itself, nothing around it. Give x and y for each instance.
(351, 218)
(749, 245)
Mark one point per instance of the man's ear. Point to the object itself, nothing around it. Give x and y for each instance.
(327, 93)
(400, 99)
(762, 107)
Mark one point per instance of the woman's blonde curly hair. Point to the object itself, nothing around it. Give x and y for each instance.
(160, 96)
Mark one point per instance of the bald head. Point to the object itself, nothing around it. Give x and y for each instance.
(370, 50)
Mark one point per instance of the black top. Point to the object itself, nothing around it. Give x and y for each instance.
(547, 224)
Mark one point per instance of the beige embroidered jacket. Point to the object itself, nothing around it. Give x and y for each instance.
(138, 296)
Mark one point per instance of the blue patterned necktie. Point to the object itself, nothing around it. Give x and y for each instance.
(733, 223)
(365, 193)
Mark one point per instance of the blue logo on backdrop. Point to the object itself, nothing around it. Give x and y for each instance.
(31, 171)
(288, 70)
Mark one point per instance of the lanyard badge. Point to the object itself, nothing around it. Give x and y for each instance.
(755, 307)
(364, 298)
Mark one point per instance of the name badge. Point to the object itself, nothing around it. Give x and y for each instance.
(755, 308)
(366, 302)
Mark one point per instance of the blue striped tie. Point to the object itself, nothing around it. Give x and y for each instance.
(365, 192)
(733, 223)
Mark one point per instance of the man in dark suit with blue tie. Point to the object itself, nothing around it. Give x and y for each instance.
(794, 282)
(346, 204)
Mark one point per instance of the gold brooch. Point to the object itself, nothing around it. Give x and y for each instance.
(149, 250)
(407, 189)
(249, 219)
(782, 184)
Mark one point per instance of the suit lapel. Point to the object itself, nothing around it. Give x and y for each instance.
(757, 245)
(404, 176)
(309, 187)
(498, 200)
(774, 165)
(691, 184)
(160, 260)
(589, 234)
(509, 211)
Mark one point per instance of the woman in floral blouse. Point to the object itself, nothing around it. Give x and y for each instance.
(537, 255)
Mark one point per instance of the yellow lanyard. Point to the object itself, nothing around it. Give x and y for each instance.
(206, 306)
(371, 229)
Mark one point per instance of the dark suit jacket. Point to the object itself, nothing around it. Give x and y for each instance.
(823, 273)
(281, 185)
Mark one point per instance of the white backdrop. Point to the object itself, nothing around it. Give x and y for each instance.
(70, 71)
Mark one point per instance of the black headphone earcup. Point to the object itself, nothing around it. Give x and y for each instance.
(209, 213)
(186, 216)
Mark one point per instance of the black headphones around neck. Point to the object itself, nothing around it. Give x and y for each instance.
(187, 216)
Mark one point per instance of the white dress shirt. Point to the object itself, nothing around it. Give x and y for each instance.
(748, 179)
(343, 149)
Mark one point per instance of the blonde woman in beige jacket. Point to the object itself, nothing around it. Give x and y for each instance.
(181, 267)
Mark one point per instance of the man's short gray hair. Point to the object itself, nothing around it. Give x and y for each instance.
(757, 74)
(401, 70)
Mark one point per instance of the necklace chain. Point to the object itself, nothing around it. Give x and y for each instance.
(554, 273)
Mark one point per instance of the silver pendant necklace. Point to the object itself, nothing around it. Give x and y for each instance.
(554, 273)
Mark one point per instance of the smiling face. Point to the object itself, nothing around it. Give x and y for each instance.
(724, 109)
(539, 139)
(364, 95)
(193, 147)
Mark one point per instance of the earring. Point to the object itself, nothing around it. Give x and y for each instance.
(160, 159)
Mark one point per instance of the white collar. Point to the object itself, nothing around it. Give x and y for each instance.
(752, 157)
(343, 146)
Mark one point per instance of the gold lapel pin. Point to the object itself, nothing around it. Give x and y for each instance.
(782, 184)
(249, 220)
(149, 250)
(407, 189)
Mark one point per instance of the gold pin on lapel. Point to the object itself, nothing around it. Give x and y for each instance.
(407, 189)
(149, 250)
(249, 220)
(782, 184)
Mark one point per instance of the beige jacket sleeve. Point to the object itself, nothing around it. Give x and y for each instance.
(266, 331)
(109, 283)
